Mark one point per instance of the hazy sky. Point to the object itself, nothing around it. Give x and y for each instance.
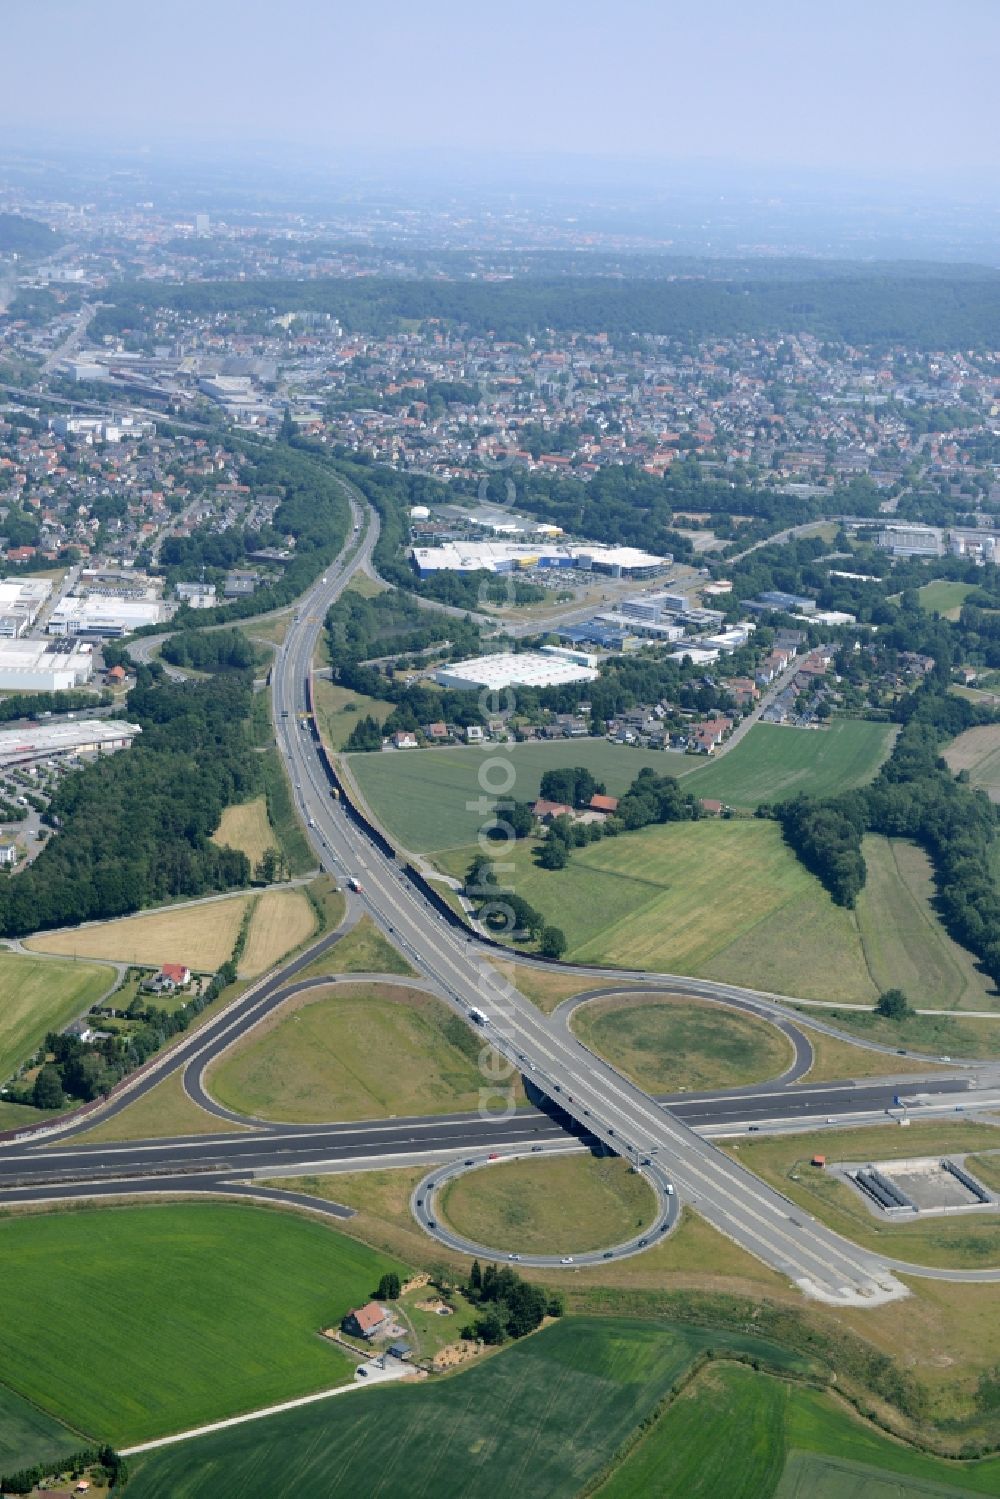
(864, 84)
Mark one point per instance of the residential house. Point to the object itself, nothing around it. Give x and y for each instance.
(436, 732)
(367, 1321)
(8, 853)
(606, 805)
(403, 740)
(547, 811)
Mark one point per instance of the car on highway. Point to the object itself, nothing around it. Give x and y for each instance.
(535, 1149)
(608, 1254)
(669, 1190)
(567, 1259)
(494, 1155)
(513, 1256)
(643, 1243)
(471, 1161)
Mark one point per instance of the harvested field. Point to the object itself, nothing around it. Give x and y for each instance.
(201, 935)
(282, 920)
(246, 827)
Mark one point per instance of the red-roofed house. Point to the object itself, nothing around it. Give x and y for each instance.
(178, 974)
(548, 811)
(605, 804)
(366, 1321)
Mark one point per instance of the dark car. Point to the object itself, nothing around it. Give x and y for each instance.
(608, 1254)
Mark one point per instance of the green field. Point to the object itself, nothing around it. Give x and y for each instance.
(363, 1052)
(134, 1322)
(945, 597)
(775, 761)
(542, 1417)
(665, 1044)
(720, 899)
(549, 1205)
(905, 945)
(29, 1436)
(735, 1434)
(420, 795)
(38, 995)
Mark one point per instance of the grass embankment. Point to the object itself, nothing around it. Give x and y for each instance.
(282, 816)
(970, 1241)
(339, 711)
(775, 761)
(208, 1320)
(364, 949)
(978, 752)
(936, 1035)
(547, 1413)
(353, 1052)
(666, 1042)
(165, 1111)
(549, 1205)
(545, 987)
(38, 995)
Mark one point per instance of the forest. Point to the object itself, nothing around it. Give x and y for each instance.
(927, 310)
(134, 828)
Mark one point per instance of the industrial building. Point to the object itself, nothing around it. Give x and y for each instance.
(529, 669)
(106, 617)
(910, 540)
(513, 557)
(44, 665)
(86, 736)
(20, 602)
(981, 546)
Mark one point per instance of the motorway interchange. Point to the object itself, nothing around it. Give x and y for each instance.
(580, 1097)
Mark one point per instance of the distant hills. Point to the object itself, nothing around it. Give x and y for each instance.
(20, 235)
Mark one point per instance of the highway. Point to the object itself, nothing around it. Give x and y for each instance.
(603, 1102)
(587, 1095)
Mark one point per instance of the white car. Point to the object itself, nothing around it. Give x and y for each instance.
(567, 1259)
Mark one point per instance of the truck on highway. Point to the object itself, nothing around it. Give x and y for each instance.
(355, 884)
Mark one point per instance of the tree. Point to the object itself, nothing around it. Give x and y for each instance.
(553, 942)
(476, 1277)
(553, 854)
(267, 869)
(48, 1090)
(388, 1287)
(893, 1005)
